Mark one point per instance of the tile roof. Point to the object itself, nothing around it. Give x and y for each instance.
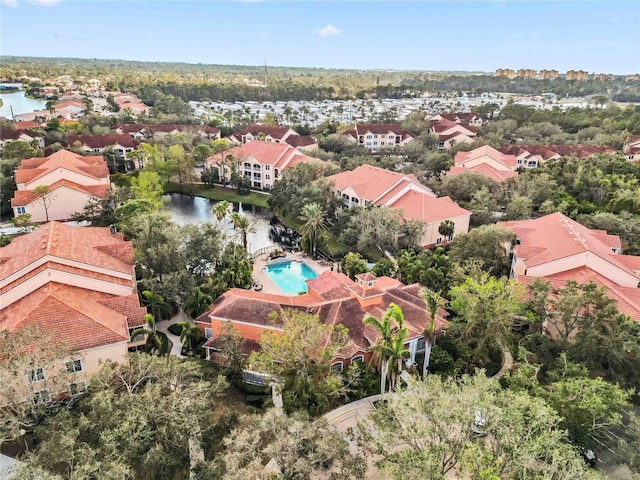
(380, 129)
(332, 298)
(550, 151)
(6, 134)
(278, 155)
(273, 131)
(33, 168)
(103, 141)
(485, 171)
(556, 236)
(425, 208)
(28, 125)
(300, 141)
(508, 161)
(25, 197)
(372, 183)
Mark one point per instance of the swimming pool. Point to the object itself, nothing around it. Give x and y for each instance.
(290, 276)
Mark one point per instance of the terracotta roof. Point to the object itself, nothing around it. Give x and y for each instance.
(274, 131)
(103, 141)
(372, 183)
(441, 126)
(33, 168)
(129, 306)
(425, 208)
(278, 155)
(381, 129)
(485, 171)
(92, 246)
(508, 161)
(300, 141)
(25, 197)
(550, 151)
(27, 125)
(73, 316)
(6, 134)
(556, 236)
(332, 298)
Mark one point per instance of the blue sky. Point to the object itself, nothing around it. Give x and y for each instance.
(598, 36)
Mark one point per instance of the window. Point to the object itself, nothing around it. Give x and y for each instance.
(368, 144)
(358, 359)
(41, 396)
(421, 344)
(391, 137)
(450, 237)
(21, 210)
(439, 241)
(440, 145)
(375, 136)
(381, 143)
(630, 157)
(519, 161)
(369, 137)
(74, 366)
(375, 143)
(267, 167)
(336, 367)
(369, 284)
(208, 333)
(267, 177)
(36, 375)
(76, 388)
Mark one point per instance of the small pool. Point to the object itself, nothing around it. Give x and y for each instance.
(290, 276)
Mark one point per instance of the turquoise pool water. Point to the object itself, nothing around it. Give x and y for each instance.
(290, 276)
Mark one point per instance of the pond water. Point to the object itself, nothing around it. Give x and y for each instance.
(185, 209)
(20, 103)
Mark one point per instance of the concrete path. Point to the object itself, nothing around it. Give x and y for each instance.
(163, 327)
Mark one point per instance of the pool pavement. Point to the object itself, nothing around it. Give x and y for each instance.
(268, 286)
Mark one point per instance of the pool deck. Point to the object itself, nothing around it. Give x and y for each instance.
(268, 286)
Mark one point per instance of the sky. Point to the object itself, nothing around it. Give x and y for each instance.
(597, 36)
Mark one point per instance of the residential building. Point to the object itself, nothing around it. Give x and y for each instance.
(485, 161)
(145, 131)
(28, 125)
(472, 119)
(337, 300)
(579, 75)
(273, 134)
(368, 185)
(633, 78)
(505, 72)
(374, 136)
(532, 156)
(78, 286)
(122, 144)
(526, 73)
(450, 133)
(72, 179)
(557, 248)
(8, 136)
(547, 74)
(260, 161)
(602, 77)
(631, 148)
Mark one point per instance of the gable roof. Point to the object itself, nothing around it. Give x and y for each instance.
(425, 208)
(278, 155)
(508, 161)
(25, 197)
(103, 141)
(33, 168)
(300, 141)
(484, 170)
(374, 184)
(381, 129)
(272, 131)
(549, 151)
(556, 236)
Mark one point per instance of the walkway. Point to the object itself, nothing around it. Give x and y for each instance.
(176, 348)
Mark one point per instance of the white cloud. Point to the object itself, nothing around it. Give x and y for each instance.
(328, 30)
(9, 3)
(44, 3)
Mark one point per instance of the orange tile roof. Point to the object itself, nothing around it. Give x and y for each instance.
(93, 246)
(428, 209)
(28, 125)
(485, 171)
(373, 184)
(25, 197)
(556, 236)
(509, 161)
(33, 168)
(278, 155)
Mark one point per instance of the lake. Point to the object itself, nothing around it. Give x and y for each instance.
(185, 209)
(20, 103)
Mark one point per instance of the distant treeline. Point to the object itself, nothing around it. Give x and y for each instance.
(259, 83)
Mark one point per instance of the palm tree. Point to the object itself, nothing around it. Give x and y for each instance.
(433, 302)
(446, 229)
(197, 303)
(220, 210)
(156, 305)
(313, 215)
(190, 333)
(387, 328)
(243, 226)
(153, 338)
(397, 354)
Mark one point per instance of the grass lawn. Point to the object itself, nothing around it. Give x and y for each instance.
(219, 193)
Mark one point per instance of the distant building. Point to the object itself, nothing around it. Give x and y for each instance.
(145, 131)
(526, 73)
(486, 161)
(8, 136)
(376, 136)
(631, 148)
(274, 134)
(450, 133)
(472, 119)
(532, 156)
(547, 74)
(633, 78)
(602, 77)
(72, 179)
(122, 144)
(578, 75)
(505, 72)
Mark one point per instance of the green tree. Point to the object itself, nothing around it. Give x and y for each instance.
(243, 227)
(220, 210)
(433, 302)
(44, 197)
(155, 305)
(22, 221)
(300, 355)
(189, 334)
(147, 186)
(197, 303)
(313, 217)
(388, 329)
(486, 244)
(446, 229)
(353, 264)
(155, 341)
(200, 153)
